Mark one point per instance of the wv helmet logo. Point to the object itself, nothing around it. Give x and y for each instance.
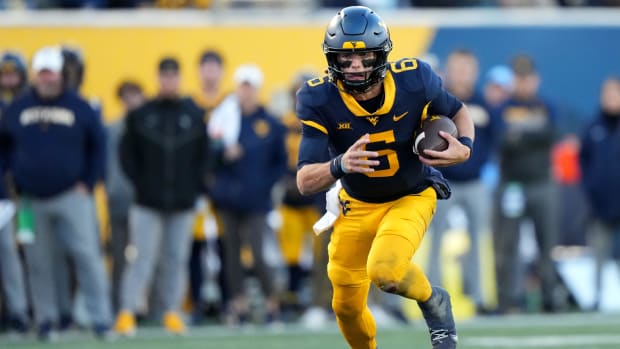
(353, 44)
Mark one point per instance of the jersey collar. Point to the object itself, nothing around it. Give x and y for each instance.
(390, 95)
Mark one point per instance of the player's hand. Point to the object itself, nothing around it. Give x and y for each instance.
(359, 160)
(455, 154)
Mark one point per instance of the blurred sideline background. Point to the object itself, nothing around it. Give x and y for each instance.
(574, 49)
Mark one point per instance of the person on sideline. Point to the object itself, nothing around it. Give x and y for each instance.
(253, 161)
(469, 192)
(600, 151)
(56, 186)
(163, 152)
(526, 189)
(12, 82)
(118, 187)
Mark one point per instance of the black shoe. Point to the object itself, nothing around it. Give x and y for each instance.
(486, 311)
(273, 319)
(437, 312)
(196, 318)
(103, 332)
(19, 324)
(46, 332)
(234, 320)
(65, 322)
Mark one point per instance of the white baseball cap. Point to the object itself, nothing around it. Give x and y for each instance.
(249, 73)
(48, 58)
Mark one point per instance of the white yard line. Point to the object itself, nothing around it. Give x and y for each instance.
(548, 321)
(541, 341)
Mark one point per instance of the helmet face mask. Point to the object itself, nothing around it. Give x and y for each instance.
(357, 29)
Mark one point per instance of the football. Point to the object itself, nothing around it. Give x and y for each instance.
(427, 136)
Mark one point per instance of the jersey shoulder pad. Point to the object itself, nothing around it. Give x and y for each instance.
(314, 92)
(312, 98)
(411, 74)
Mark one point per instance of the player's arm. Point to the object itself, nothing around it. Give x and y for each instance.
(459, 150)
(316, 177)
(444, 103)
(314, 174)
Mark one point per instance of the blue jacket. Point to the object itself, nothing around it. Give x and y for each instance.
(600, 166)
(488, 126)
(53, 144)
(245, 185)
(3, 158)
(3, 193)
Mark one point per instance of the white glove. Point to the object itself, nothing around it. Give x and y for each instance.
(332, 206)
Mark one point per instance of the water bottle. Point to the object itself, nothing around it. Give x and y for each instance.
(25, 222)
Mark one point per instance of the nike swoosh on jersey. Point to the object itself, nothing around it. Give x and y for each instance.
(396, 118)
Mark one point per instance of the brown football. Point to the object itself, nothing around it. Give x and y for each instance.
(427, 136)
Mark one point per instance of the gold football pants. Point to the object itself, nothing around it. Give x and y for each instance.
(375, 243)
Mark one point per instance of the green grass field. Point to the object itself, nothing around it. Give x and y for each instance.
(584, 331)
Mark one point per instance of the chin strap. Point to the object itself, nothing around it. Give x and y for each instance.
(340, 86)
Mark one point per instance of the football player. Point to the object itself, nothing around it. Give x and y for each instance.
(366, 111)
(13, 81)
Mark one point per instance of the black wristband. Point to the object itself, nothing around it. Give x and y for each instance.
(335, 167)
(468, 142)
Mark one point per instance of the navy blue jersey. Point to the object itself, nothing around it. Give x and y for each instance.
(334, 118)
